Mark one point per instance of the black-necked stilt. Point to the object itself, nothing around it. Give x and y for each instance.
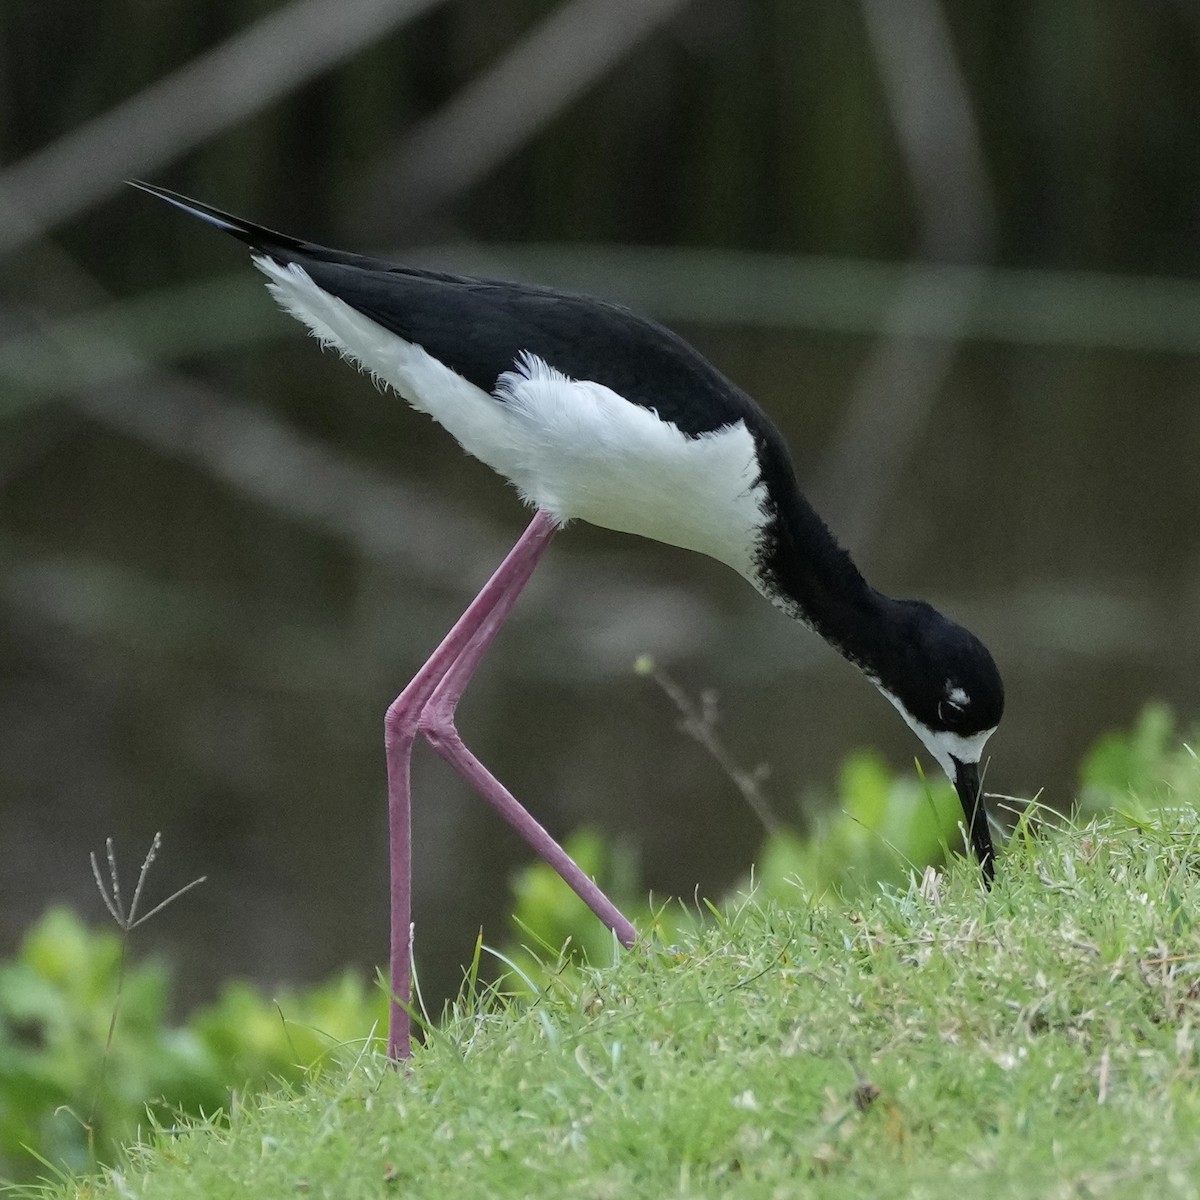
(596, 414)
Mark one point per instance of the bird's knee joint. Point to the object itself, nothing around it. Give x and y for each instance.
(400, 721)
(437, 725)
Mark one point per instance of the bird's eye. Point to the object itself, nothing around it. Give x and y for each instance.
(954, 704)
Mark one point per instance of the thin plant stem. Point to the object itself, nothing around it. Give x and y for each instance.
(700, 723)
(126, 922)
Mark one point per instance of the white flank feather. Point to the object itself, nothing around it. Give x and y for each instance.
(573, 447)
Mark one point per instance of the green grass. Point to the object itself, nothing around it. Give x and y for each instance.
(936, 1042)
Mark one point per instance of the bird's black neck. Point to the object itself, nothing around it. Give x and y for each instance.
(818, 583)
(808, 574)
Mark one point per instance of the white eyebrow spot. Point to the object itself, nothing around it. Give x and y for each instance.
(956, 695)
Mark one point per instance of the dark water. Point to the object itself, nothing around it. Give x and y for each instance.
(178, 656)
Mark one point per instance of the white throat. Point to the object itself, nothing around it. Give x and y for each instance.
(945, 747)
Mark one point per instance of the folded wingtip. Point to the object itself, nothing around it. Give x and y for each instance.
(245, 231)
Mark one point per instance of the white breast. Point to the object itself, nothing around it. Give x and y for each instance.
(573, 447)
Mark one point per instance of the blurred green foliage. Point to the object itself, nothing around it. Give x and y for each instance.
(877, 828)
(71, 1095)
(1150, 766)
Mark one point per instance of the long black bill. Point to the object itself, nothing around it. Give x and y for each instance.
(966, 784)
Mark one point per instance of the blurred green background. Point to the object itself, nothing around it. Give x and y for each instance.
(951, 247)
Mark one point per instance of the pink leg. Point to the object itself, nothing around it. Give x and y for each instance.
(437, 724)
(427, 704)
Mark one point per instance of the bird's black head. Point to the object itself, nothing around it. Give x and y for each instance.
(942, 674)
(946, 686)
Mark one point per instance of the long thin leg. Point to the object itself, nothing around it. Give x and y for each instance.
(437, 724)
(400, 731)
(428, 704)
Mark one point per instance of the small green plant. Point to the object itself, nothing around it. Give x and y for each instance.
(879, 826)
(555, 930)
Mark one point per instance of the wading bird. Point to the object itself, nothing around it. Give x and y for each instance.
(596, 414)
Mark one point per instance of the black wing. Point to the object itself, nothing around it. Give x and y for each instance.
(478, 327)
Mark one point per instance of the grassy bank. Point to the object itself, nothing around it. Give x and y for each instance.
(1038, 1041)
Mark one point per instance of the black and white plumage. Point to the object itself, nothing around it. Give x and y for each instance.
(597, 414)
